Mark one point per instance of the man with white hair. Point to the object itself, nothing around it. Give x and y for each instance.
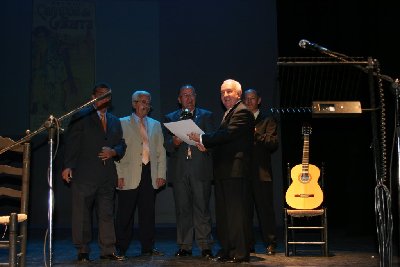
(232, 149)
(140, 173)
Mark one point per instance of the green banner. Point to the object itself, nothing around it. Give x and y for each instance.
(63, 57)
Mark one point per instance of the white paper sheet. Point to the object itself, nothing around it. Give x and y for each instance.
(182, 128)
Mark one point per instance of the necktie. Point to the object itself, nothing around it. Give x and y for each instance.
(103, 121)
(145, 141)
(223, 118)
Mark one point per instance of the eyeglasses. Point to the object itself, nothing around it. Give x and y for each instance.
(143, 102)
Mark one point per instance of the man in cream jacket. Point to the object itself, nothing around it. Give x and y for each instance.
(140, 173)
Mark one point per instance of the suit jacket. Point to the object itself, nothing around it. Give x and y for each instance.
(84, 141)
(265, 143)
(233, 143)
(201, 162)
(130, 167)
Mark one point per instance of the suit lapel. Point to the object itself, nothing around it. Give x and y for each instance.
(177, 115)
(96, 119)
(108, 122)
(134, 125)
(149, 127)
(259, 118)
(230, 113)
(196, 116)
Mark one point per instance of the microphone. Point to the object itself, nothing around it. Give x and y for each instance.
(186, 115)
(305, 44)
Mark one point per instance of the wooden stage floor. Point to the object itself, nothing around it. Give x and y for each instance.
(344, 250)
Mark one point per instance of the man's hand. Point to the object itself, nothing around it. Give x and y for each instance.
(121, 183)
(160, 182)
(194, 136)
(176, 140)
(201, 147)
(67, 174)
(107, 153)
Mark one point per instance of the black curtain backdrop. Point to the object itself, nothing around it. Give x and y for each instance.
(153, 45)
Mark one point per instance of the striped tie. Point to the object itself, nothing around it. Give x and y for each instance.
(145, 140)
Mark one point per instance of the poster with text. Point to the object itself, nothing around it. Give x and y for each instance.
(63, 58)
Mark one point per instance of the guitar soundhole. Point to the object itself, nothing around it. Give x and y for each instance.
(304, 178)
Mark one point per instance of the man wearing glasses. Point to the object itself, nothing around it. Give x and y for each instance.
(190, 172)
(140, 173)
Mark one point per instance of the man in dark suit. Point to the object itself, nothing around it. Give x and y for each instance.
(190, 172)
(93, 142)
(265, 143)
(232, 147)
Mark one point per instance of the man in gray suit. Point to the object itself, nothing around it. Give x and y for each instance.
(190, 172)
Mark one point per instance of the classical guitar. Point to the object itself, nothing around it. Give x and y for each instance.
(304, 192)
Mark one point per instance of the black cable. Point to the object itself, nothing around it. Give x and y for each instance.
(383, 207)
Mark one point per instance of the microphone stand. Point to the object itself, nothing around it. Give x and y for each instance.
(48, 122)
(396, 87)
(384, 220)
(51, 131)
(51, 124)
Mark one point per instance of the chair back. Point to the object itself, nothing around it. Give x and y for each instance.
(14, 185)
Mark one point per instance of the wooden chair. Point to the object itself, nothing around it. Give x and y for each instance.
(303, 222)
(16, 222)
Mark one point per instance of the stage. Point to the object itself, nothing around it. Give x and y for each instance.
(344, 250)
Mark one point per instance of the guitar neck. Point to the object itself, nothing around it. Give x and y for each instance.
(306, 154)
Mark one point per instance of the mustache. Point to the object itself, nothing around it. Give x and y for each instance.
(145, 109)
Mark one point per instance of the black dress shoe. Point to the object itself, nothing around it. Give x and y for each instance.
(271, 249)
(238, 260)
(113, 257)
(221, 258)
(206, 253)
(183, 253)
(83, 257)
(152, 252)
(121, 253)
